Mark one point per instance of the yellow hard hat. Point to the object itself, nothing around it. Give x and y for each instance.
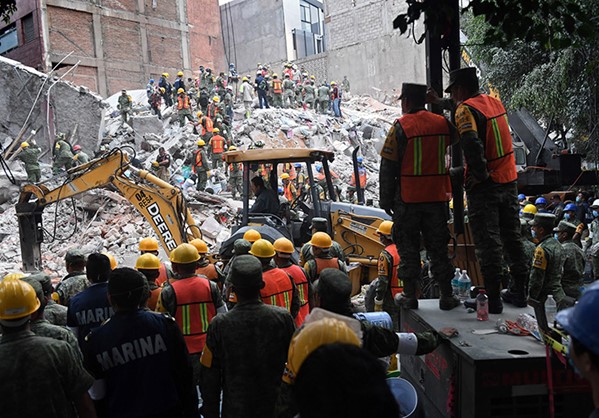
(17, 299)
(216, 99)
(147, 262)
(252, 235)
(165, 74)
(199, 114)
(200, 245)
(180, 90)
(14, 276)
(162, 90)
(245, 79)
(201, 143)
(284, 176)
(321, 240)
(333, 83)
(232, 148)
(113, 263)
(215, 130)
(312, 77)
(530, 209)
(148, 244)
(262, 249)
(284, 246)
(24, 144)
(184, 254)
(180, 74)
(313, 336)
(385, 228)
(275, 75)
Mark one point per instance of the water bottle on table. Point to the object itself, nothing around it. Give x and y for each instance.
(482, 305)
(455, 285)
(464, 284)
(550, 309)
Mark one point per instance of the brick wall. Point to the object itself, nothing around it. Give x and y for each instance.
(164, 46)
(121, 40)
(316, 65)
(81, 76)
(71, 30)
(205, 39)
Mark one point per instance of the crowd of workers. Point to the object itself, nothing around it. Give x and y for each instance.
(242, 338)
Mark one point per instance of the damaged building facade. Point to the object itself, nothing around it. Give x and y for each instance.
(114, 44)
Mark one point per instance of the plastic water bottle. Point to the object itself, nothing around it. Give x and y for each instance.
(482, 305)
(464, 285)
(455, 286)
(550, 309)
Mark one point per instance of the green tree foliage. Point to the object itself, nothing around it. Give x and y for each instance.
(7, 8)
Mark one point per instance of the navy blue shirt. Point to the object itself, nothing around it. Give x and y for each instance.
(141, 355)
(88, 309)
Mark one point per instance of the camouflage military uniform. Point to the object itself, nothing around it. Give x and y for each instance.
(63, 155)
(335, 251)
(124, 105)
(81, 158)
(309, 98)
(413, 220)
(55, 313)
(323, 99)
(288, 93)
(546, 271)
(44, 328)
(30, 156)
(42, 377)
(70, 286)
(529, 250)
(574, 262)
(594, 250)
(235, 179)
(201, 171)
(249, 378)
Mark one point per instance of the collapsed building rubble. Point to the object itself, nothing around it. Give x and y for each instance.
(102, 220)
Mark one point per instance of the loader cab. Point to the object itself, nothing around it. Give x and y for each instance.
(313, 184)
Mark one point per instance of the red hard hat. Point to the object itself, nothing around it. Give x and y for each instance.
(76, 147)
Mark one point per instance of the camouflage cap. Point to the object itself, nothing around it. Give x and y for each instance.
(565, 226)
(320, 224)
(39, 292)
(241, 246)
(246, 272)
(74, 255)
(44, 281)
(334, 286)
(544, 220)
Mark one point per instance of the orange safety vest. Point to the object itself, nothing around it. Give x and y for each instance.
(232, 167)
(290, 169)
(301, 282)
(277, 86)
(287, 192)
(326, 263)
(218, 144)
(362, 174)
(209, 271)
(207, 125)
(424, 174)
(212, 110)
(499, 152)
(395, 284)
(195, 309)
(182, 102)
(278, 289)
(163, 276)
(153, 300)
(198, 161)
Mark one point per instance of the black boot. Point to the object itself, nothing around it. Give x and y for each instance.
(518, 299)
(406, 302)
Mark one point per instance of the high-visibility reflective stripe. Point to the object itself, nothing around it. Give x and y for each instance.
(287, 302)
(302, 297)
(204, 316)
(417, 141)
(186, 325)
(497, 135)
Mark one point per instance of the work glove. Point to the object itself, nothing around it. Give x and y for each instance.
(378, 305)
(208, 173)
(75, 157)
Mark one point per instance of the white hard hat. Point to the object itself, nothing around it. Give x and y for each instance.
(595, 204)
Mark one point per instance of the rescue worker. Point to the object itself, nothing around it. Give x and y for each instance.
(529, 246)
(221, 84)
(80, 157)
(150, 245)
(388, 284)
(75, 281)
(541, 204)
(247, 93)
(573, 259)
(183, 107)
(135, 349)
(213, 109)
(240, 247)
(277, 91)
(415, 189)
(236, 176)
(167, 93)
(490, 182)
(156, 101)
(113, 263)
(162, 164)
(90, 308)
(54, 313)
(179, 84)
(192, 300)
(29, 155)
(125, 103)
(206, 126)
(40, 376)
(345, 84)
(42, 327)
(593, 229)
(251, 236)
(248, 379)
(361, 173)
(336, 99)
(323, 98)
(63, 155)
(288, 92)
(547, 263)
(321, 244)
(200, 166)
(320, 225)
(309, 95)
(262, 89)
(289, 190)
(284, 249)
(205, 267)
(279, 287)
(528, 212)
(149, 265)
(580, 322)
(266, 200)
(150, 89)
(217, 146)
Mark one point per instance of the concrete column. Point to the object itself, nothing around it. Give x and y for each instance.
(145, 52)
(185, 52)
(99, 50)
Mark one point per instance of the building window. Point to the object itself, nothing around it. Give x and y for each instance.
(28, 28)
(8, 39)
(308, 39)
